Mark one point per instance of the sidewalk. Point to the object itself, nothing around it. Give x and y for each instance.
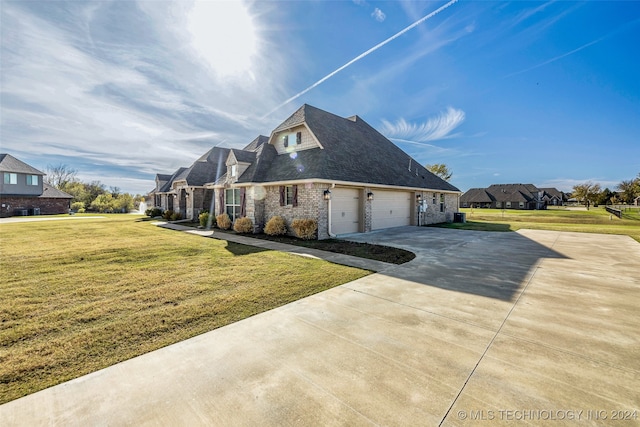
(348, 260)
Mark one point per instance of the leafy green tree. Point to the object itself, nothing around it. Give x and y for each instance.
(103, 203)
(441, 170)
(629, 189)
(586, 193)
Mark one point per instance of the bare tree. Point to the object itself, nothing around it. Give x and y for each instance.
(60, 175)
(441, 170)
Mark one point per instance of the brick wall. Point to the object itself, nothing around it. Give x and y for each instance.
(48, 206)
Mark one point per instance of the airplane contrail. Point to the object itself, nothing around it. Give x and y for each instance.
(362, 55)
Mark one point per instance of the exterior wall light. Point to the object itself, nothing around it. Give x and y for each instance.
(419, 198)
(369, 196)
(326, 195)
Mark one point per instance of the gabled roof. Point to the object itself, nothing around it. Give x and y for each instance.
(8, 163)
(476, 195)
(244, 156)
(51, 192)
(353, 151)
(554, 192)
(513, 192)
(167, 185)
(253, 145)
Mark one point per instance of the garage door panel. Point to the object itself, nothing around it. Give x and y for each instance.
(390, 209)
(345, 210)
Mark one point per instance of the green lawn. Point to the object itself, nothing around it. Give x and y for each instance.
(595, 220)
(81, 295)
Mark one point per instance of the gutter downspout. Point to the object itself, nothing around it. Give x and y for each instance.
(329, 215)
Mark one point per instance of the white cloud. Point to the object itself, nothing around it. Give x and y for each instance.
(379, 15)
(438, 127)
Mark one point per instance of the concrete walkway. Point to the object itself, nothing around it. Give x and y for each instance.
(526, 328)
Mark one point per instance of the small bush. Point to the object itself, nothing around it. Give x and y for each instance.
(243, 225)
(81, 210)
(276, 226)
(153, 212)
(223, 221)
(176, 216)
(305, 229)
(204, 219)
(167, 214)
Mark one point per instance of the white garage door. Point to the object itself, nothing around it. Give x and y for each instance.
(345, 210)
(390, 209)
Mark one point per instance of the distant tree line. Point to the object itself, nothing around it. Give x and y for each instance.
(591, 194)
(90, 196)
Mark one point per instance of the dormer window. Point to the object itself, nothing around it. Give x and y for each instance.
(299, 138)
(286, 140)
(234, 171)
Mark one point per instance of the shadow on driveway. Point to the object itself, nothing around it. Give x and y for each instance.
(494, 265)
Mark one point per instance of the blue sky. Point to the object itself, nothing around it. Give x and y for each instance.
(502, 92)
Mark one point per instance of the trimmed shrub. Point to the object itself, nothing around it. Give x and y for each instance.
(167, 214)
(276, 226)
(223, 221)
(204, 219)
(243, 225)
(305, 229)
(176, 216)
(153, 212)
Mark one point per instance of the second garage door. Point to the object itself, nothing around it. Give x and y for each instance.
(390, 209)
(345, 210)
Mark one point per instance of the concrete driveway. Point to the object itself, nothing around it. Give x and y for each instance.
(526, 328)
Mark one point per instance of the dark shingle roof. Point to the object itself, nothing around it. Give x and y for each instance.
(513, 192)
(253, 145)
(167, 185)
(353, 151)
(476, 195)
(554, 192)
(8, 163)
(244, 156)
(51, 192)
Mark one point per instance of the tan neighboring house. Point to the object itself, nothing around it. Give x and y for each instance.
(23, 191)
(339, 171)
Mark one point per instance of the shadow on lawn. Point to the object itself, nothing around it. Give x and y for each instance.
(239, 249)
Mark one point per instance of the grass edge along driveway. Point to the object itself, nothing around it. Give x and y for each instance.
(79, 296)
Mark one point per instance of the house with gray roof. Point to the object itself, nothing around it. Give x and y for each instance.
(23, 190)
(512, 196)
(317, 165)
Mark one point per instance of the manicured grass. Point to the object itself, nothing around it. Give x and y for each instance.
(595, 220)
(81, 295)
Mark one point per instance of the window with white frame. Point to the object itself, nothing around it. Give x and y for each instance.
(234, 170)
(521, 205)
(10, 178)
(441, 202)
(232, 203)
(32, 179)
(508, 204)
(498, 204)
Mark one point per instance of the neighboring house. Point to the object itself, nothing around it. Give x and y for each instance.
(339, 171)
(554, 197)
(512, 196)
(24, 192)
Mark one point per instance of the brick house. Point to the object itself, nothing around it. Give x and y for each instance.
(24, 192)
(339, 171)
(512, 196)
